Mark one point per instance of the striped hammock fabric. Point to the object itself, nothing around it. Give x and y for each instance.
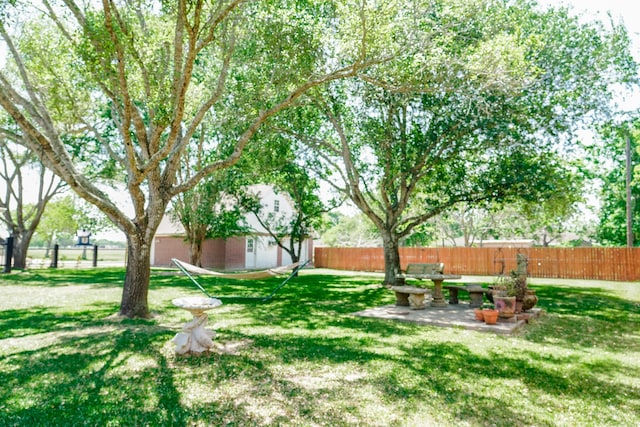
(255, 275)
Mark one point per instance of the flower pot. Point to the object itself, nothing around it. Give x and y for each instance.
(518, 306)
(490, 316)
(506, 306)
(530, 300)
(478, 314)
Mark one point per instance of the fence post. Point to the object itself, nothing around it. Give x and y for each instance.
(8, 255)
(54, 257)
(95, 255)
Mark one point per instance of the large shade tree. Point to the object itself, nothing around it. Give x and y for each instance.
(349, 231)
(474, 113)
(610, 162)
(219, 206)
(119, 89)
(209, 211)
(64, 217)
(544, 221)
(289, 229)
(26, 188)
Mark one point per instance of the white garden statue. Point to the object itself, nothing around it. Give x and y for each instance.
(194, 338)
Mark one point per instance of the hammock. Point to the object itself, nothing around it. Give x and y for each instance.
(187, 269)
(254, 275)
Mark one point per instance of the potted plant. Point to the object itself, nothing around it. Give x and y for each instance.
(478, 313)
(490, 315)
(504, 295)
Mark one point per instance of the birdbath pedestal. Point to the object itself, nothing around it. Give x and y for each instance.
(194, 338)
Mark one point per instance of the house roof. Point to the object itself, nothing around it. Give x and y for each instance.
(513, 243)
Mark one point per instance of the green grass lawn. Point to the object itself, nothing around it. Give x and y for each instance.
(303, 359)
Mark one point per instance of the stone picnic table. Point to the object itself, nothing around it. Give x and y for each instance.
(437, 279)
(403, 293)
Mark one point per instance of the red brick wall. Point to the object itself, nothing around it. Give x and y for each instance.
(167, 248)
(216, 253)
(213, 254)
(235, 253)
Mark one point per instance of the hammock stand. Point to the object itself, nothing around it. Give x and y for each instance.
(185, 267)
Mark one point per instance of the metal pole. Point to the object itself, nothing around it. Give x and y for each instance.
(629, 205)
(54, 258)
(95, 255)
(8, 255)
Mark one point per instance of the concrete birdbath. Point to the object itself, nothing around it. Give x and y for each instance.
(194, 338)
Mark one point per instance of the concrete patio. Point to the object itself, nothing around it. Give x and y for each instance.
(451, 316)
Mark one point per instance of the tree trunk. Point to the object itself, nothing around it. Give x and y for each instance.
(293, 242)
(391, 249)
(20, 249)
(136, 282)
(295, 257)
(195, 252)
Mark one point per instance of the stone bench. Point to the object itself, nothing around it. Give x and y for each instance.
(476, 294)
(419, 270)
(411, 296)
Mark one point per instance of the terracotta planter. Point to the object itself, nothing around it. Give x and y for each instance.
(478, 314)
(490, 316)
(506, 306)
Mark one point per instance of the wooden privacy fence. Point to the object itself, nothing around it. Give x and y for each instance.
(620, 264)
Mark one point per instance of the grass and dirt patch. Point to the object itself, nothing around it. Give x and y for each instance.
(303, 359)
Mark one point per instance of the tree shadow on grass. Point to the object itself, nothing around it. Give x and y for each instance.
(583, 317)
(115, 377)
(327, 301)
(586, 317)
(445, 374)
(37, 320)
(124, 376)
(576, 317)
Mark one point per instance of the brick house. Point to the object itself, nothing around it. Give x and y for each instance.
(255, 251)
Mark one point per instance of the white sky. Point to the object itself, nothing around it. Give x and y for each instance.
(626, 11)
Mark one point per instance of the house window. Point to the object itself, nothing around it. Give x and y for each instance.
(250, 243)
(276, 205)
